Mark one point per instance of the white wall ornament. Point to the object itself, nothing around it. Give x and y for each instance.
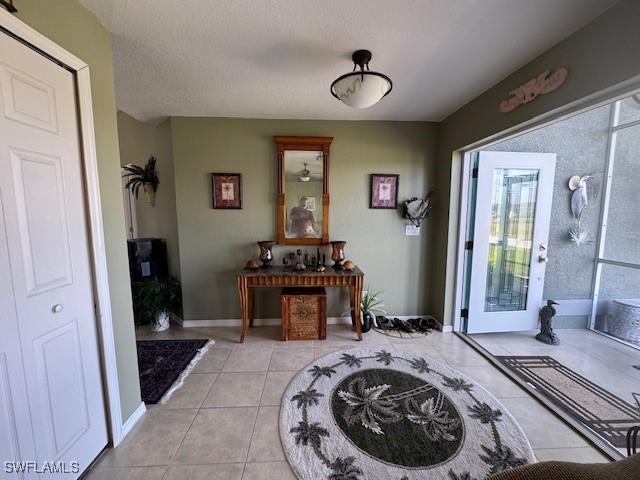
(546, 82)
(578, 234)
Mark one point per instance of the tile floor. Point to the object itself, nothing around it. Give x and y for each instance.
(223, 423)
(600, 359)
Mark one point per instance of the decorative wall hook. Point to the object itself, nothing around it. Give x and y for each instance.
(546, 82)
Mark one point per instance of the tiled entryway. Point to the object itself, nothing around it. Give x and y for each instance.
(600, 359)
(223, 423)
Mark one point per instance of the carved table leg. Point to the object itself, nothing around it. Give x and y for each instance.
(244, 306)
(250, 300)
(352, 304)
(357, 307)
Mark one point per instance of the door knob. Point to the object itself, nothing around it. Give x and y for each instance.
(57, 308)
(543, 259)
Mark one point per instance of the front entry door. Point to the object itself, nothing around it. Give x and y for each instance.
(511, 230)
(51, 398)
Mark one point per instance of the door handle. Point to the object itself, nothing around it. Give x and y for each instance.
(57, 308)
(543, 259)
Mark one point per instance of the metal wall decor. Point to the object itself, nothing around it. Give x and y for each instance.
(8, 4)
(544, 83)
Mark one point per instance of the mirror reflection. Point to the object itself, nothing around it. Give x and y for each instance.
(303, 193)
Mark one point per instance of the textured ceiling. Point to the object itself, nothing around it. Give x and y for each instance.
(277, 58)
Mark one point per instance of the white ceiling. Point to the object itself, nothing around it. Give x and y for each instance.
(277, 58)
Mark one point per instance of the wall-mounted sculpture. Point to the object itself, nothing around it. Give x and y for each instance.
(579, 234)
(546, 82)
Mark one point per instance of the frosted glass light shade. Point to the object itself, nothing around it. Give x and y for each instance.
(361, 89)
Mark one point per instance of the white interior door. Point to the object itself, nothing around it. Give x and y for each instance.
(511, 231)
(48, 337)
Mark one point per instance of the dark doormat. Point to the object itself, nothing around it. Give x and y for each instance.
(161, 362)
(606, 414)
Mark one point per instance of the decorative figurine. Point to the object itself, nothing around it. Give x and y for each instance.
(349, 266)
(266, 255)
(251, 265)
(546, 334)
(337, 255)
(300, 266)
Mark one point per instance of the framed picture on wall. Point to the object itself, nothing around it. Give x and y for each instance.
(310, 202)
(226, 190)
(384, 190)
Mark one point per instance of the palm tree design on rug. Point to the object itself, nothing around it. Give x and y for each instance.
(435, 422)
(373, 406)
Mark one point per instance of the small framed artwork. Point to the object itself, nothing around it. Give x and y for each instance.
(310, 202)
(384, 190)
(226, 190)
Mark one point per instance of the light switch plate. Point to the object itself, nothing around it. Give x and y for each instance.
(412, 230)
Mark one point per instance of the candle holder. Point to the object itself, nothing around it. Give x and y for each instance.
(266, 255)
(337, 254)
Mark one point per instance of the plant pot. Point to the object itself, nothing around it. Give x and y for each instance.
(367, 321)
(162, 322)
(150, 194)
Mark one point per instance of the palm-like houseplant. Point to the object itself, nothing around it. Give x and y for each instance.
(154, 300)
(145, 177)
(370, 304)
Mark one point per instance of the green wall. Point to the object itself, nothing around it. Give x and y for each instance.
(215, 244)
(602, 59)
(74, 28)
(138, 141)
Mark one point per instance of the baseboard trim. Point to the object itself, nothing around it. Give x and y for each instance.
(263, 322)
(132, 420)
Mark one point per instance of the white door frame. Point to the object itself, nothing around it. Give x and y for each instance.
(461, 168)
(526, 319)
(102, 297)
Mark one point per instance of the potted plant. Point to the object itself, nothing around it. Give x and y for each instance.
(154, 300)
(370, 305)
(145, 177)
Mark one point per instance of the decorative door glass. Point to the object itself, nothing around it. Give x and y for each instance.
(513, 204)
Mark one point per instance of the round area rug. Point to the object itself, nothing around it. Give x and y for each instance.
(371, 413)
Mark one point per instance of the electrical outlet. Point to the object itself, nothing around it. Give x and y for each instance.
(412, 230)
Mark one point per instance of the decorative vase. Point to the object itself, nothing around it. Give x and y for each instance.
(337, 254)
(367, 321)
(162, 322)
(150, 193)
(266, 255)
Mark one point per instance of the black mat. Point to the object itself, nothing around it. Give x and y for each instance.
(161, 362)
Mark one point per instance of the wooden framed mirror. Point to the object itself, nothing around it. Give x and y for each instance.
(303, 190)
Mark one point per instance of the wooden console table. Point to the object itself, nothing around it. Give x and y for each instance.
(275, 277)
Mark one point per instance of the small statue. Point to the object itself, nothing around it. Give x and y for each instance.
(546, 334)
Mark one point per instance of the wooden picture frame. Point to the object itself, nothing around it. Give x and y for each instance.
(384, 190)
(226, 191)
(302, 143)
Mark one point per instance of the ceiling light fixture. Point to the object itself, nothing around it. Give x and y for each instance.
(305, 175)
(364, 88)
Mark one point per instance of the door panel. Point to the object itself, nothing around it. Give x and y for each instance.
(28, 100)
(511, 229)
(41, 189)
(42, 220)
(9, 448)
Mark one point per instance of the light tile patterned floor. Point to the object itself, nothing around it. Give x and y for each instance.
(223, 423)
(602, 360)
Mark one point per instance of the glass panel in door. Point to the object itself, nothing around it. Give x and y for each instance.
(513, 204)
